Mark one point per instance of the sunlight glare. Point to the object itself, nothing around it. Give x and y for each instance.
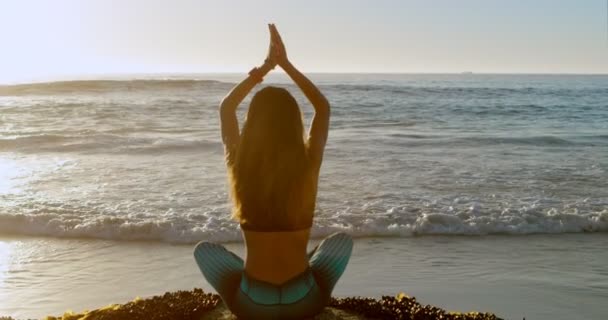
(5, 252)
(9, 173)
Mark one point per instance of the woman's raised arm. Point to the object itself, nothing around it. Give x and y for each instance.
(317, 135)
(228, 120)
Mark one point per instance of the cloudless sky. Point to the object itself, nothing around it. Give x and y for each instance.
(51, 38)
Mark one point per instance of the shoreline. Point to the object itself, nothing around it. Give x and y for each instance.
(537, 277)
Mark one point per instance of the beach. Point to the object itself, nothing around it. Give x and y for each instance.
(536, 277)
(469, 192)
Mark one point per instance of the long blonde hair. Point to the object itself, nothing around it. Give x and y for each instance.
(273, 188)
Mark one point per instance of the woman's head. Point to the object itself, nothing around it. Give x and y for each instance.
(271, 180)
(274, 119)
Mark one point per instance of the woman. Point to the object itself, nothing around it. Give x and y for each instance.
(274, 172)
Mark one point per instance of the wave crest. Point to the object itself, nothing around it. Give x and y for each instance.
(211, 226)
(103, 143)
(101, 86)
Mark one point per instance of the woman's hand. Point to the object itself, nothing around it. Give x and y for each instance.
(277, 48)
(271, 60)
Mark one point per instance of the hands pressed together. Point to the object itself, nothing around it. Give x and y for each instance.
(276, 51)
(276, 55)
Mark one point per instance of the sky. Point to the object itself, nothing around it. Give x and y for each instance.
(70, 38)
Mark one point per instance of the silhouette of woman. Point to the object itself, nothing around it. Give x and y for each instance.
(274, 170)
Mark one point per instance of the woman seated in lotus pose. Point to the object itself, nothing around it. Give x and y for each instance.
(274, 171)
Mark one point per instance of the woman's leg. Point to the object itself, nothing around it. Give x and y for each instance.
(221, 268)
(329, 260)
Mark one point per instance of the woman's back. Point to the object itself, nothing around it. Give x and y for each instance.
(276, 257)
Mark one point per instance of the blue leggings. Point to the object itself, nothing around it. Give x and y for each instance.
(303, 296)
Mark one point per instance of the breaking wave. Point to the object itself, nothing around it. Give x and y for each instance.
(191, 227)
(102, 86)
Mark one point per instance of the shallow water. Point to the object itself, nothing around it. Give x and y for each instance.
(539, 277)
(407, 155)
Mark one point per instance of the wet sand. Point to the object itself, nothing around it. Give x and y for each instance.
(536, 277)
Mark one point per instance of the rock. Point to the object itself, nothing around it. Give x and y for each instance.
(198, 305)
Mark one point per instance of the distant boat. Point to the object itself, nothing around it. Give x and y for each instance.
(467, 72)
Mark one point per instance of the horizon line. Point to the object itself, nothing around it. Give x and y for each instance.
(342, 72)
(105, 76)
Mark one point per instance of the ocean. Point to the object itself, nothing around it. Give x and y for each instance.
(469, 157)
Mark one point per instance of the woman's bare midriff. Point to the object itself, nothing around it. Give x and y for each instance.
(276, 257)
